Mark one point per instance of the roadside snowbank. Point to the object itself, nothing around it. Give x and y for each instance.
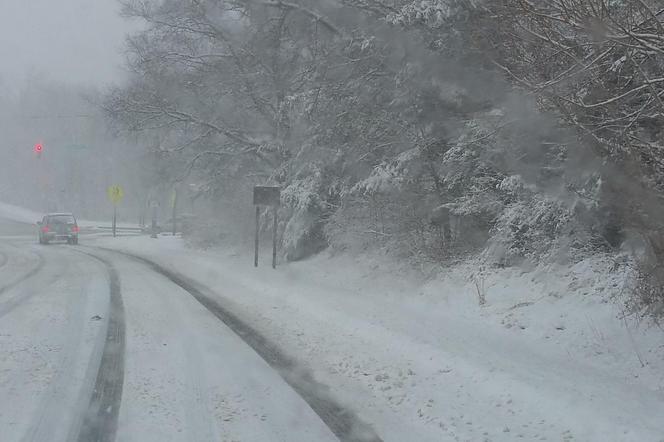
(27, 216)
(18, 214)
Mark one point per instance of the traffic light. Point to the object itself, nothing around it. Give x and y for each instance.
(39, 148)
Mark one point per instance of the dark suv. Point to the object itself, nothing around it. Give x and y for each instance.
(58, 226)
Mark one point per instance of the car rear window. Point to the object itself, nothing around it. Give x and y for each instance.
(61, 219)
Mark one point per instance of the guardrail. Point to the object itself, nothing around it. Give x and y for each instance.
(119, 229)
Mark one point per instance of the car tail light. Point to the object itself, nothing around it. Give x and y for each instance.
(75, 229)
(45, 229)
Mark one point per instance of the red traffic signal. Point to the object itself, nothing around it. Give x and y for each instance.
(39, 148)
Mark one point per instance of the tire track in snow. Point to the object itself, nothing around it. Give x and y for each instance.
(341, 421)
(100, 422)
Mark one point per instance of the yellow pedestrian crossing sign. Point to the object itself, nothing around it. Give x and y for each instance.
(115, 193)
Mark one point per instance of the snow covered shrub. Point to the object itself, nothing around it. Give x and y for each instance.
(397, 223)
(532, 226)
(304, 211)
(362, 223)
(398, 210)
(388, 210)
(345, 230)
(433, 13)
(648, 293)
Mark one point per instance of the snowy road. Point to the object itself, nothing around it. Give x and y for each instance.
(101, 347)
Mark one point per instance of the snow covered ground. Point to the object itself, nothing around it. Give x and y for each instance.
(18, 214)
(545, 359)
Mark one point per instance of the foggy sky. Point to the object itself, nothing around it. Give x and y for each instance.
(78, 41)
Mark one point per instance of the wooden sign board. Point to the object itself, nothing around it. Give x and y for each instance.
(267, 196)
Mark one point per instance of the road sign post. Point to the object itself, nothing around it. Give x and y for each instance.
(115, 218)
(115, 194)
(267, 196)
